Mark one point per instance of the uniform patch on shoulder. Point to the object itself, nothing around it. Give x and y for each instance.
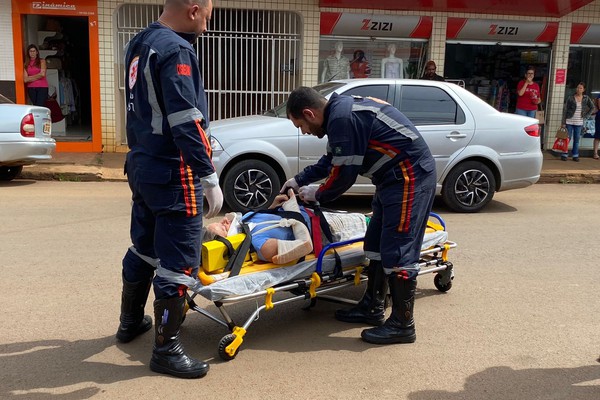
(337, 151)
(133, 69)
(184, 69)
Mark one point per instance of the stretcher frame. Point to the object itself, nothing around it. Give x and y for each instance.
(432, 260)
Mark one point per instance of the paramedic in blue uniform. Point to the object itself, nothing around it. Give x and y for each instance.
(169, 169)
(369, 137)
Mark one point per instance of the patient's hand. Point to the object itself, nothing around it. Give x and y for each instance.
(279, 200)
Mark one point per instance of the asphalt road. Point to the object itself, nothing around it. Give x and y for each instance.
(521, 321)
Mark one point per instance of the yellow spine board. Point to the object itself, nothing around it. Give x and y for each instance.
(214, 253)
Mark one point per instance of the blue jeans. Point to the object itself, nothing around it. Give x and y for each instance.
(574, 135)
(527, 113)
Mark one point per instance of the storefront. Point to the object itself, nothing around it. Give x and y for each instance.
(492, 56)
(372, 46)
(66, 34)
(584, 66)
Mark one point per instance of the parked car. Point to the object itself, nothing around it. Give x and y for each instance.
(25, 137)
(478, 150)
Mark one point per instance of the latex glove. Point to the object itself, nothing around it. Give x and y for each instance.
(308, 193)
(289, 184)
(213, 194)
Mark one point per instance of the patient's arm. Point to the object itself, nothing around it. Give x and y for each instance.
(269, 249)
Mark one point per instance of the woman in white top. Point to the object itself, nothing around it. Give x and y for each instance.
(392, 66)
(578, 108)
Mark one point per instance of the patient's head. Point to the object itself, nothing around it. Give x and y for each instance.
(218, 228)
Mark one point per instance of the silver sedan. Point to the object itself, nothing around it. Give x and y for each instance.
(25, 137)
(478, 150)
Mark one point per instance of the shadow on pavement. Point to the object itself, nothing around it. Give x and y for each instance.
(505, 383)
(62, 369)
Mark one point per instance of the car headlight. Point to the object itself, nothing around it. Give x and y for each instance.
(214, 143)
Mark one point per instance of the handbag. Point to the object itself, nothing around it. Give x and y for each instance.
(562, 133)
(540, 115)
(561, 145)
(589, 127)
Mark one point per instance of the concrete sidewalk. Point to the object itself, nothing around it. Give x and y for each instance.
(109, 167)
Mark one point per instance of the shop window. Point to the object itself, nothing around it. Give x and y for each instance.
(425, 105)
(350, 58)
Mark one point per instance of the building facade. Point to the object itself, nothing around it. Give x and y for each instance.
(257, 51)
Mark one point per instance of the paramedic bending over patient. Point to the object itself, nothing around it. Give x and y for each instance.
(370, 137)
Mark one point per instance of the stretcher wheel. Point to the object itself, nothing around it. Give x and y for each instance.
(226, 341)
(437, 281)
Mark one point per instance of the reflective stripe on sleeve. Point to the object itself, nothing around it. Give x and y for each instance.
(181, 117)
(157, 116)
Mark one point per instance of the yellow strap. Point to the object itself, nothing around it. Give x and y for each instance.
(357, 274)
(445, 252)
(237, 342)
(269, 298)
(315, 282)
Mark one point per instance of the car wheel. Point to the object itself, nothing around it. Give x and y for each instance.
(469, 187)
(250, 185)
(10, 173)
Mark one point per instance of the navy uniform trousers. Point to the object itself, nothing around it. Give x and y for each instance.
(401, 205)
(166, 225)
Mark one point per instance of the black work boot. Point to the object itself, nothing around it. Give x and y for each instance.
(133, 301)
(168, 355)
(370, 309)
(400, 326)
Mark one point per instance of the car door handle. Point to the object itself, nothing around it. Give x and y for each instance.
(456, 135)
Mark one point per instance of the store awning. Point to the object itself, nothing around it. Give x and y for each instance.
(542, 8)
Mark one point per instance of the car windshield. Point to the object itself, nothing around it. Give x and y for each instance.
(4, 100)
(324, 88)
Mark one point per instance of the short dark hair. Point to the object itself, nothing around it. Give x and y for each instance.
(302, 98)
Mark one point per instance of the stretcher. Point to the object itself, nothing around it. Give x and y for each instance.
(338, 265)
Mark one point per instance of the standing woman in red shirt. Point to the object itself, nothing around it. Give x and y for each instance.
(528, 95)
(35, 76)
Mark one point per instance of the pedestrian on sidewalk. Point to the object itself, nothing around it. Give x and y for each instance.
(597, 128)
(168, 168)
(578, 108)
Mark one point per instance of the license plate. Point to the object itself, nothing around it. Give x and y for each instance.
(47, 128)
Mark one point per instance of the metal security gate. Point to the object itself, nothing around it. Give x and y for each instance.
(250, 59)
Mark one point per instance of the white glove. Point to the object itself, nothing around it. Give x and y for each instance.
(290, 183)
(308, 193)
(213, 194)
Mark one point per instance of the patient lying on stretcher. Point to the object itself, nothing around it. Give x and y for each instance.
(280, 239)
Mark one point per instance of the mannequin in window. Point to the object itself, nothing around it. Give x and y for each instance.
(336, 66)
(392, 66)
(359, 65)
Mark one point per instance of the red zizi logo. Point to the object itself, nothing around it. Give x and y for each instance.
(183, 69)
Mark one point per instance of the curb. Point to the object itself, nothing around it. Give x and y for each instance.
(71, 173)
(570, 177)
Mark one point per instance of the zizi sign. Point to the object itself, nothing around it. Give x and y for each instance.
(503, 30)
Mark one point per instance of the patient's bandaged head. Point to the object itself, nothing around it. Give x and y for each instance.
(235, 219)
(346, 226)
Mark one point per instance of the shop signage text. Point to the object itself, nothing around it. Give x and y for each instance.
(43, 5)
(398, 26)
(485, 29)
(370, 25)
(503, 30)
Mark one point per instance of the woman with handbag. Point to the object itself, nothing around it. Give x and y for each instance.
(578, 108)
